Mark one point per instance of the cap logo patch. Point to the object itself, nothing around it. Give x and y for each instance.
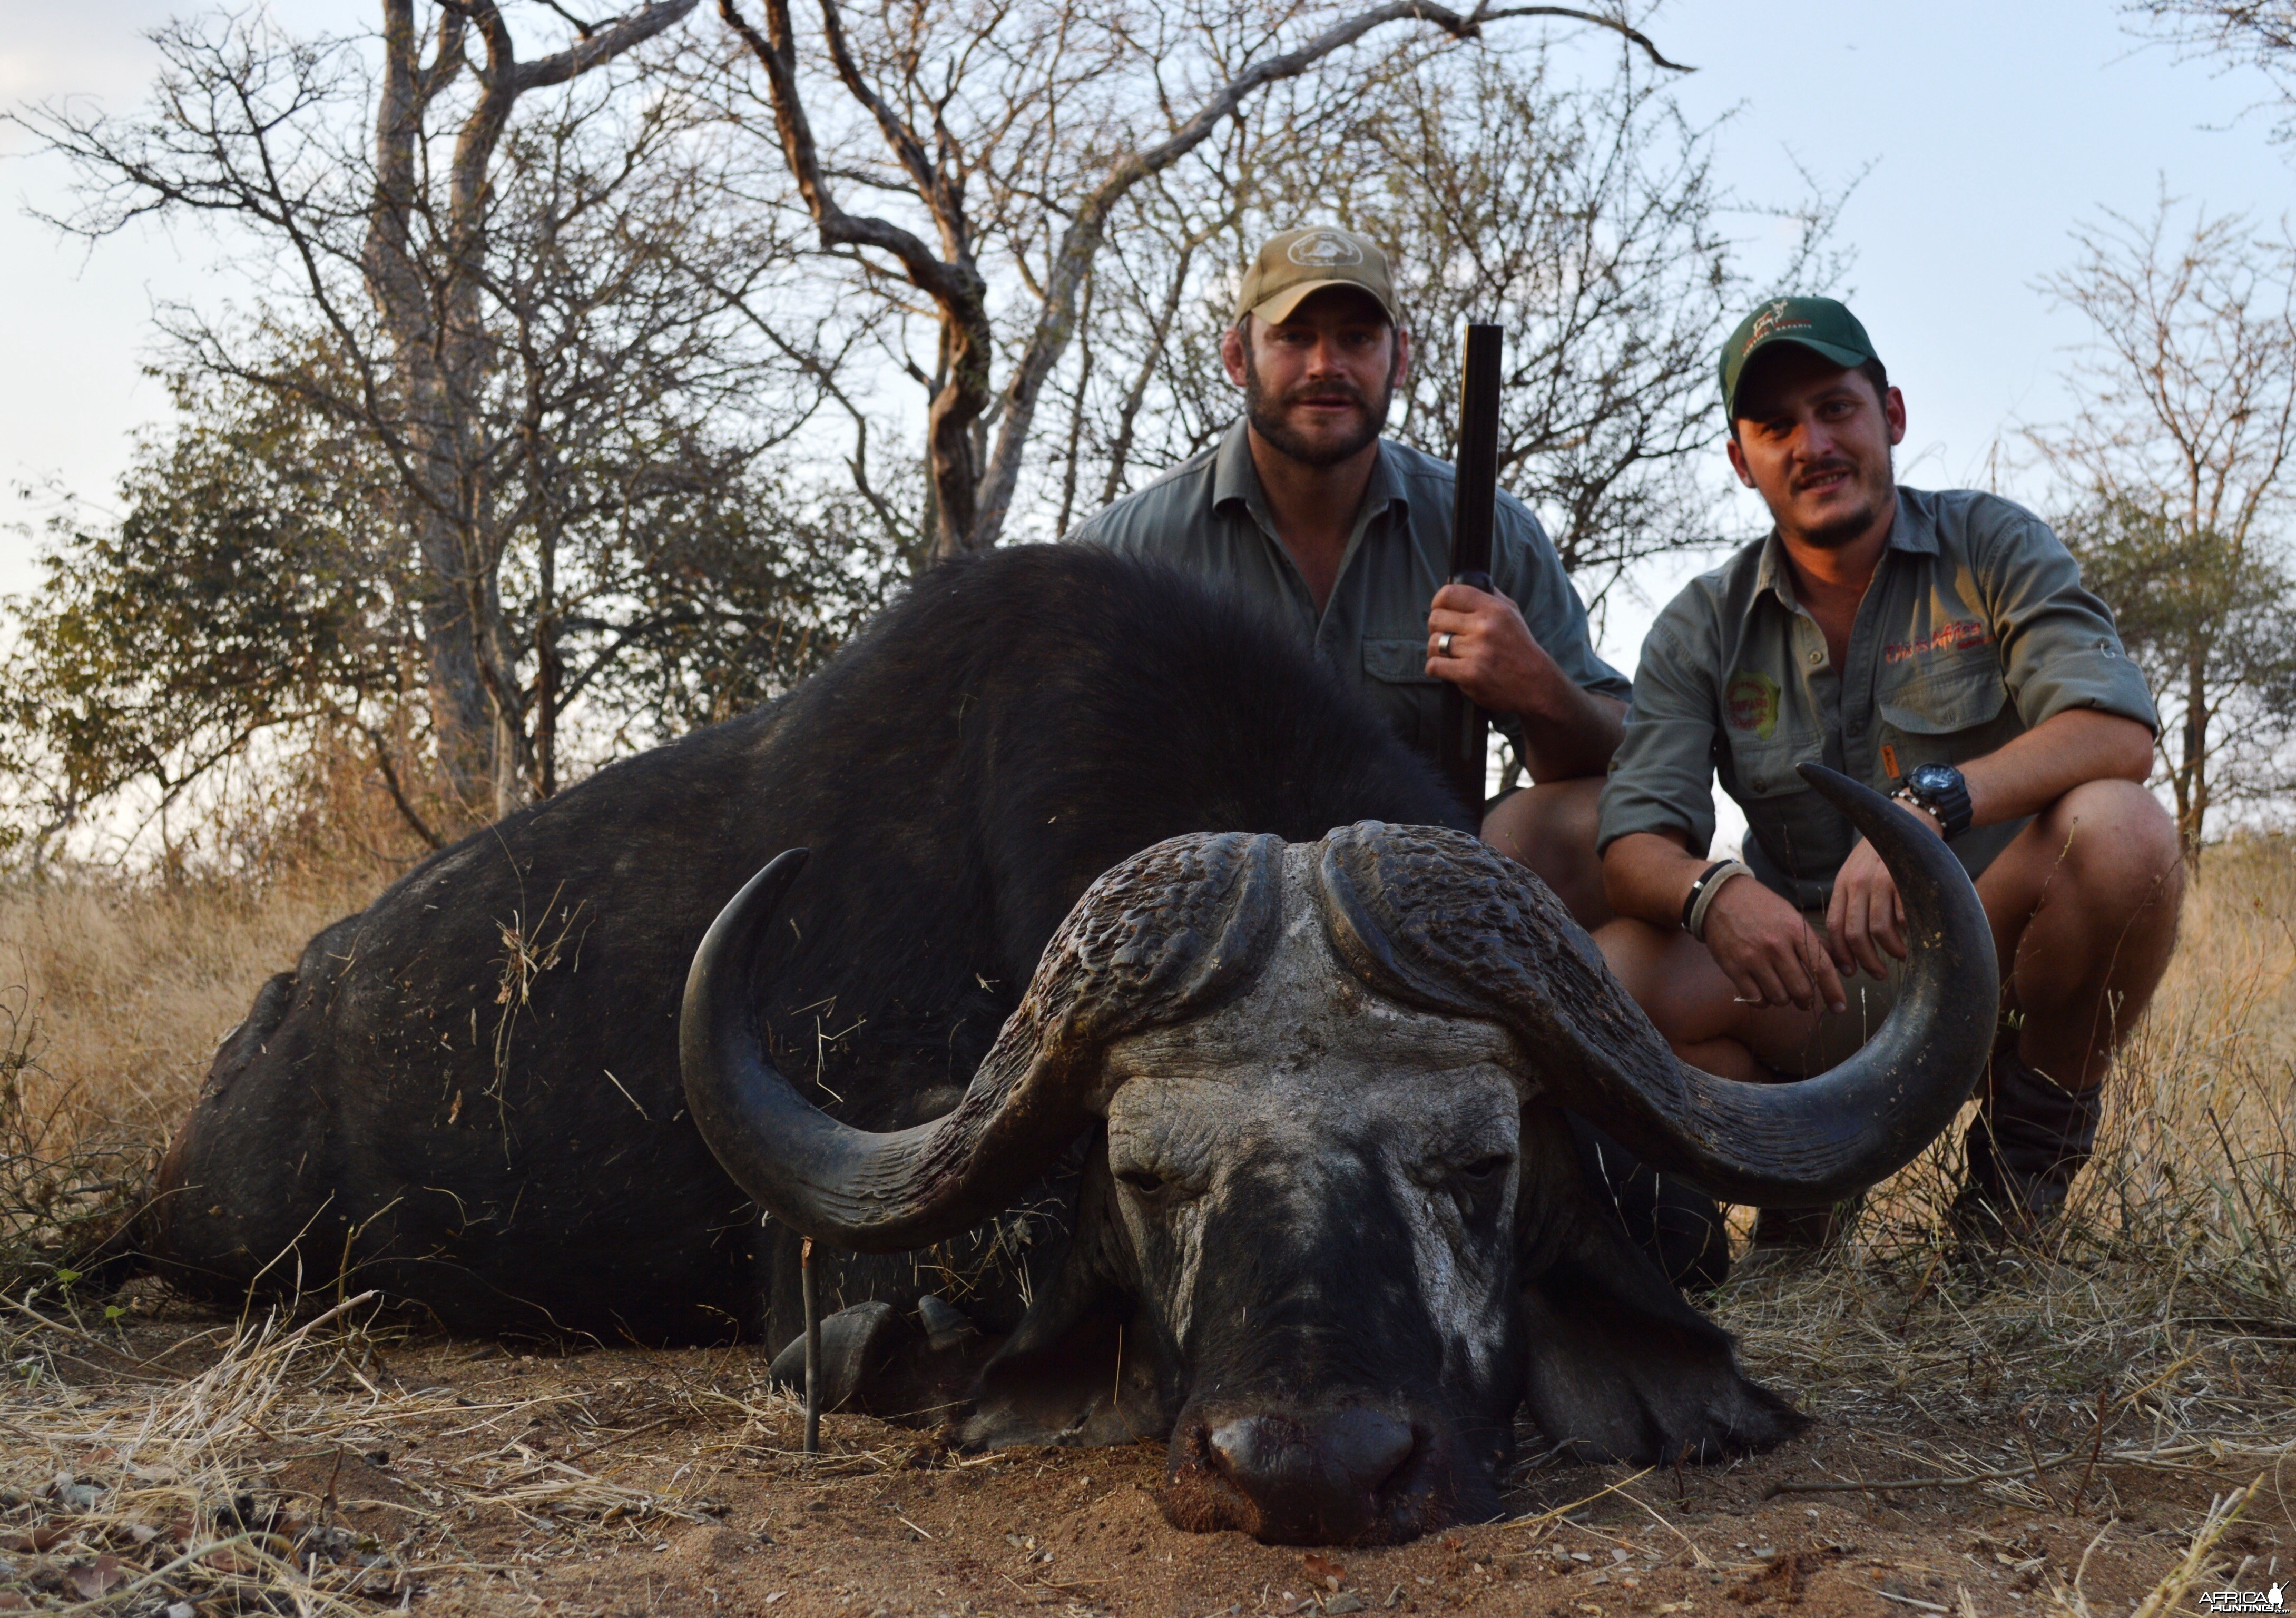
(1323, 250)
(1751, 700)
(1778, 317)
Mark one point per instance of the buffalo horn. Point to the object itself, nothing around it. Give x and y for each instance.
(1172, 931)
(1467, 931)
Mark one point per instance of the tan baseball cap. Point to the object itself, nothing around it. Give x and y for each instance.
(1296, 264)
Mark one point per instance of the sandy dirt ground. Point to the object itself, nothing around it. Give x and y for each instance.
(481, 1479)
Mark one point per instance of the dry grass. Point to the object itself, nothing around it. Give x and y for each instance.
(112, 998)
(131, 986)
(2153, 1341)
(138, 1478)
(2155, 1335)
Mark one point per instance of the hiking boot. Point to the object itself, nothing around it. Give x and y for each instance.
(2031, 1136)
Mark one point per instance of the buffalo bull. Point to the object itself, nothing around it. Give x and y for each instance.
(1131, 1098)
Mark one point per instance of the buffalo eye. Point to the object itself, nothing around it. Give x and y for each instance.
(1479, 1184)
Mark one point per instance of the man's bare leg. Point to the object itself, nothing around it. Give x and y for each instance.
(1675, 981)
(1551, 827)
(2084, 906)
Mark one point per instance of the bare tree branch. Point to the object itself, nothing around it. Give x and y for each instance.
(974, 485)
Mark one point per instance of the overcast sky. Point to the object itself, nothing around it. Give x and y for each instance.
(1989, 129)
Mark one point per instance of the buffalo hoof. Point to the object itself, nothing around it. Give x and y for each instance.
(1356, 1474)
(882, 1362)
(856, 1344)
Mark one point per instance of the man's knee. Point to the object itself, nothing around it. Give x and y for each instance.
(2117, 846)
(1558, 815)
(1636, 952)
(1550, 828)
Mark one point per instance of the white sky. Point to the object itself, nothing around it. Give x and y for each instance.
(1991, 130)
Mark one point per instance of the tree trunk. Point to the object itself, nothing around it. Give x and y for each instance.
(434, 324)
(2193, 790)
(461, 719)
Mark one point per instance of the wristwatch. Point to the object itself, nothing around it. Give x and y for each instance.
(1942, 792)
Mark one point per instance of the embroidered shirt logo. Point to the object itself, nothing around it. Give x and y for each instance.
(1958, 635)
(1322, 249)
(1750, 700)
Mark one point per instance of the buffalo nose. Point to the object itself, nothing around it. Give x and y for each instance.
(1314, 1477)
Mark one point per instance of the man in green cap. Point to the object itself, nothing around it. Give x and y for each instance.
(1936, 646)
(1346, 537)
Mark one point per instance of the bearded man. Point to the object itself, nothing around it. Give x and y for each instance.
(1346, 538)
(1935, 645)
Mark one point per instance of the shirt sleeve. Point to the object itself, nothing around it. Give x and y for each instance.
(1525, 567)
(2059, 648)
(1662, 776)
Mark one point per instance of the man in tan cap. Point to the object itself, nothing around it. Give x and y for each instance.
(1346, 536)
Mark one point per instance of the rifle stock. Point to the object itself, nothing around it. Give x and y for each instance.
(1464, 739)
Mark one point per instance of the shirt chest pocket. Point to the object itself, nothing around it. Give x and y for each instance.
(1766, 770)
(1397, 662)
(1938, 696)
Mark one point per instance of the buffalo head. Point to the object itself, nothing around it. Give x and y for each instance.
(1333, 1229)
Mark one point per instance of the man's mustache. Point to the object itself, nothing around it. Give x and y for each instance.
(1826, 469)
(1326, 393)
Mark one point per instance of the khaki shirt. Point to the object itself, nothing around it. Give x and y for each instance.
(1209, 517)
(1974, 629)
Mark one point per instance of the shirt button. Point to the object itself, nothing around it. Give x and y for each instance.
(1761, 785)
(1816, 657)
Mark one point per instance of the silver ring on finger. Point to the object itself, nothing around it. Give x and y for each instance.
(1443, 644)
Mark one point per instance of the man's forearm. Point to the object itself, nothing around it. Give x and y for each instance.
(2028, 774)
(1570, 732)
(1647, 874)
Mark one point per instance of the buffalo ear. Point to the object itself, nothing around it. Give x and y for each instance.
(1620, 1367)
(1679, 1229)
(1072, 1373)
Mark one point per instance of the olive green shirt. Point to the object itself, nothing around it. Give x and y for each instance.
(1973, 630)
(1209, 517)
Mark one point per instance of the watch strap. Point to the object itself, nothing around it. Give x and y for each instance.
(1951, 808)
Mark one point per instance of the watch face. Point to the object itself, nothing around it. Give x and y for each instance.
(1933, 778)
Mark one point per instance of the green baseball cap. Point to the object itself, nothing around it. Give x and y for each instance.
(1290, 267)
(1819, 325)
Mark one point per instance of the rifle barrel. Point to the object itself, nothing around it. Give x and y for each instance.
(1465, 737)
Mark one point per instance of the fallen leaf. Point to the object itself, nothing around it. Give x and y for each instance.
(98, 1578)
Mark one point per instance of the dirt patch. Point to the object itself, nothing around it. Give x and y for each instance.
(457, 1478)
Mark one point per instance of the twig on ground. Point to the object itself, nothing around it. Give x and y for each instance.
(2003, 1476)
